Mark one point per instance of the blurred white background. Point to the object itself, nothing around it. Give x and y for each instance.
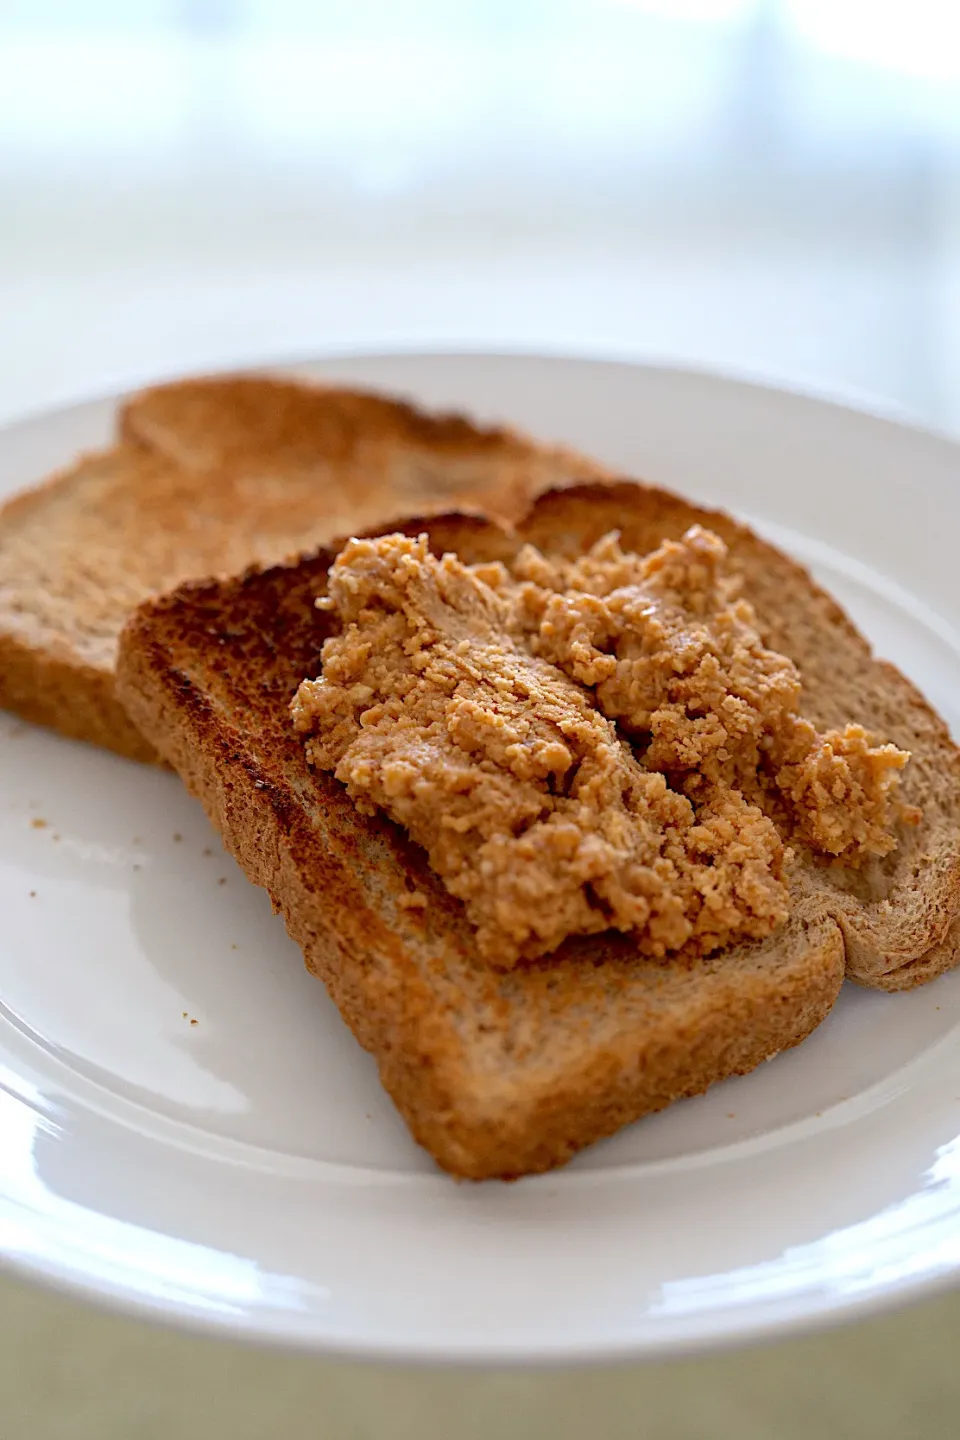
(767, 185)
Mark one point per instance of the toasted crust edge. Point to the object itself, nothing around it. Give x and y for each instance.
(76, 700)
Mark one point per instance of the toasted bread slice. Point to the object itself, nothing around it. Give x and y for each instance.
(504, 1074)
(369, 447)
(214, 475)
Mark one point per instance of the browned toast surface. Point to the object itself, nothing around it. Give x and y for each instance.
(370, 443)
(503, 1074)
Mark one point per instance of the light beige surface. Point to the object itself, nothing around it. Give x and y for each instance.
(72, 1373)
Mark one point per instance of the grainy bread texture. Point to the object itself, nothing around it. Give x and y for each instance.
(505, 1074)
(211, 476)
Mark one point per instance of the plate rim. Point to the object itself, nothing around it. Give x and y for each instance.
(767, 1330)
(865, 404)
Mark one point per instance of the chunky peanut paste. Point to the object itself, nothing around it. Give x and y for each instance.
(585, 745)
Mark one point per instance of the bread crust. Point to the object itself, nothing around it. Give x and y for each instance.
(78, 701)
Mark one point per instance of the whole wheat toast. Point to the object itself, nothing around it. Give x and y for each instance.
(505, 1074)
(211, 476)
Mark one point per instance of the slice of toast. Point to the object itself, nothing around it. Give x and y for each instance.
(211, 476)
(367, 446)
(505, 1074)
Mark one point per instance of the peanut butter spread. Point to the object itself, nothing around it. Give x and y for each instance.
(585, 745)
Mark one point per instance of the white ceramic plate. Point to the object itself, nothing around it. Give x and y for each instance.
(188, 1129)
